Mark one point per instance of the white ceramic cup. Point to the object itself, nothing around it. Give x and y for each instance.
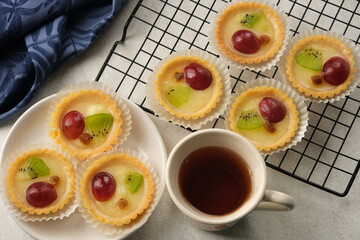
(260, 198)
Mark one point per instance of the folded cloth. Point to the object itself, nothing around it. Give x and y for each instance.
(38, 36)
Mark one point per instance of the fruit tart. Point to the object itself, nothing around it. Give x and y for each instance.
(88, 121)
(189, 88)
(249, 33)
(320, 66)
(264, 115)
(40, 181)
(116, 189)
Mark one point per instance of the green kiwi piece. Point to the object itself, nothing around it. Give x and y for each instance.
(178, 95)
(255, 20)
(249, 120)
(134, 181)
(98, 126)
(310, 58)
(34, 167)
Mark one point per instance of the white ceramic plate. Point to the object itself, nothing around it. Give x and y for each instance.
(29, 129)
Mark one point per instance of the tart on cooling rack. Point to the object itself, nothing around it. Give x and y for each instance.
(40, 181)
(86, 122)
(249, 32)
(264, 115)
(116, 188)
(188, 87)
(320, 66)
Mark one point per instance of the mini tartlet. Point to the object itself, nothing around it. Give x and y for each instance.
(127, 191)
(88, 121)
(250, 34)
(267, 117)
(189, 88)
(320, 66)
(40, 182)
(188, 102)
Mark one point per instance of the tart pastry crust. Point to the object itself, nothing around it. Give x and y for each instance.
(19, 199)
(319, 91)
(89, 201)
(170, 66)
(65, 105)
(272, 47)
(260, 92)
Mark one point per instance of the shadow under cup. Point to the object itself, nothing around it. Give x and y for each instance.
(216, 138)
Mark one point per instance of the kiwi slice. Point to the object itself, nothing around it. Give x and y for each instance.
(249, 120)
(98, 126)
(134, 181)
(178, 95)
(255, 20)
(34, 167)
(310, 58)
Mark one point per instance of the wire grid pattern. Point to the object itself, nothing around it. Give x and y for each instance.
(324, 158)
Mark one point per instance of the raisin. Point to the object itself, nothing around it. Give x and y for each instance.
(269, 127)
(54, 180)
(316, 79)
(85, 138)
(179, 76)
(264, 39)
(122, 203)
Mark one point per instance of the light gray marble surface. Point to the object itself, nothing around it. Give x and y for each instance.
(318, 215)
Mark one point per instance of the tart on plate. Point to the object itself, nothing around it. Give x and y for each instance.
(320, 67)
(249, 32)
(40, 181)
(86, 122)
(264, 115)
(116, 189)
(188, 87)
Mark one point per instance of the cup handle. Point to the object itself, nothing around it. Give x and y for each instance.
(276, 201)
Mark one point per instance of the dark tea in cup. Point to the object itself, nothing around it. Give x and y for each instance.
(215, 180)
(216, 177)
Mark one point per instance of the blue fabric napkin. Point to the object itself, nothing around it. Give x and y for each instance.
(38, 36)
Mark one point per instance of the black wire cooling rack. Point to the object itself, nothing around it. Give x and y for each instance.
(327, 157)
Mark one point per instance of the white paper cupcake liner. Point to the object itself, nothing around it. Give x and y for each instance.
(191, 123)
(298, 100)
(262, 66)
(66, 211)
(126, 229)
(125, 112)
(355, 51)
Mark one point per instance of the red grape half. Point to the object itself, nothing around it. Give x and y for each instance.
(103, 186)
(198, 77)
(73, 124)
(40, 194)
(245, 41)
(335, 70)
(272, 109)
